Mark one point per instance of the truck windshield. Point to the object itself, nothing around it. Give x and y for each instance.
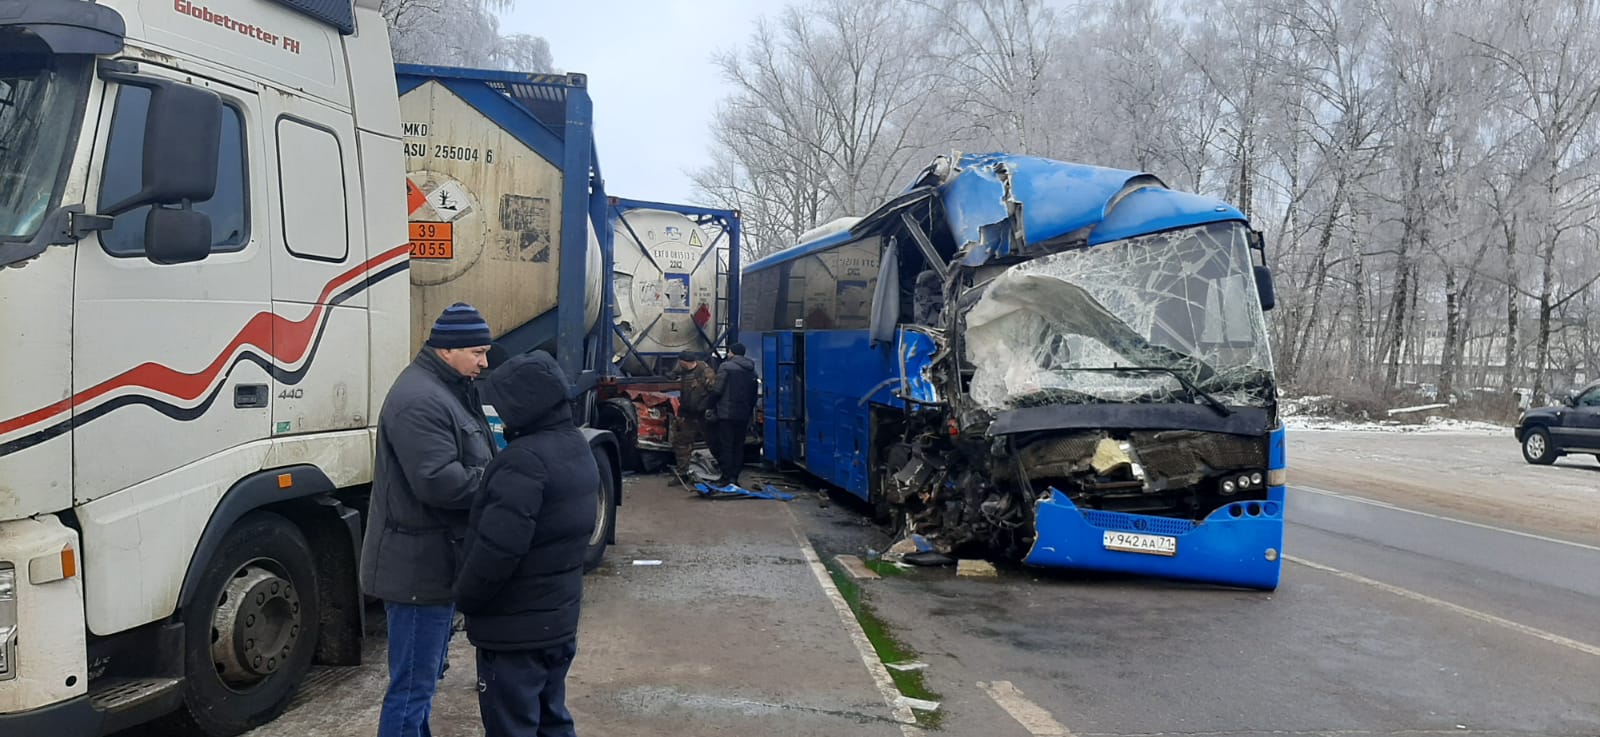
(39, 95)
(1168, 317)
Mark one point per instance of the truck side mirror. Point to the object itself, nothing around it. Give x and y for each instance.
(177, 236)
(182, 131)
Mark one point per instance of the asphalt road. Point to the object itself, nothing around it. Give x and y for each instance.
(1387, 622)
(1472, 476)
(1396, 616)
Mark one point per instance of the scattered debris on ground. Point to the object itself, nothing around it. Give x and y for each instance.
(976, 569)
(856, 568)
(735, 491)
(919, 704)
(916, 550)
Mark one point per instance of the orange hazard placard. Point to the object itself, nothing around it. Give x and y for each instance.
(432, 240)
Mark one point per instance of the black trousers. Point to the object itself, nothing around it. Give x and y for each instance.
(728, 445)
(523, 693)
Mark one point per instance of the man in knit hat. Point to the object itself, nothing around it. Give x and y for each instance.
(433, 445)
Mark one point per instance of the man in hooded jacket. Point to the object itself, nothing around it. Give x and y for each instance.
(522, 581)
(735, 391)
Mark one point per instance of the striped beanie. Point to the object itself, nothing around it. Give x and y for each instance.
(459, 326)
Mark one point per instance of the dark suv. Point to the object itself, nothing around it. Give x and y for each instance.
(1547, 433)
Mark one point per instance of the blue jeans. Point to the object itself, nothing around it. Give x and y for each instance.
(523, 693)
(419, 641)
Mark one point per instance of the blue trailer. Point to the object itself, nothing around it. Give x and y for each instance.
(1034, 360)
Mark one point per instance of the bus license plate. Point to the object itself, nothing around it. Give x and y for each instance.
(1132, 542)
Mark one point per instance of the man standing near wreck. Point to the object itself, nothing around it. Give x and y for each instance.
(736, 402)
(433, 446)
(694, 403)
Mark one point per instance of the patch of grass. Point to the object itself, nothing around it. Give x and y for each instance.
(889, 648)
(884, 568)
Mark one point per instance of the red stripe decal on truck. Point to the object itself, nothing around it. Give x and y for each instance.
(286, 341)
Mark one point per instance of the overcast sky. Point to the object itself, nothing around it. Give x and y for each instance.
(651, 77)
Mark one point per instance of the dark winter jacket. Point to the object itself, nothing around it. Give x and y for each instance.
(736, 389)
(433, 444)
(530, 525)
(698, 393)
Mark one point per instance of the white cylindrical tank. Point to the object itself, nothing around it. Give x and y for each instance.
(485, 218)
(667, 281)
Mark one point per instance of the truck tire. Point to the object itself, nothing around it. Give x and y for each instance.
(251, 630)
(618, 415)
(1537, 448)
(605, 513)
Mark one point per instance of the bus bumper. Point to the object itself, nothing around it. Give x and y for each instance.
(1239, 544)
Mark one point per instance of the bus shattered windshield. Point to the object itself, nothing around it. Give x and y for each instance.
(39, 94)
(1168, 317)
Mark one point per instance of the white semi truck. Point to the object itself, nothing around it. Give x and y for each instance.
(207, 286)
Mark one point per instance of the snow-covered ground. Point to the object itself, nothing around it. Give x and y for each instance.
(1311, 413)
(1478, 476)
(1432, 424)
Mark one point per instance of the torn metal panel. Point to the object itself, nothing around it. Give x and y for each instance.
(1148, 319)
(977, 210)
(999, 205)
(917, 351)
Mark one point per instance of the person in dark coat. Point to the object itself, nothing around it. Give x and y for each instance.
(695, 402)
(433, 446)
(736, 401)
(522, 581)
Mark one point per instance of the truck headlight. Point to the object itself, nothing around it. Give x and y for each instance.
(8, 621)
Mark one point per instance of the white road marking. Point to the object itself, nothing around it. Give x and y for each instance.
(1480, 525)
(1582, 647)
(1031, 716)
(869, 657)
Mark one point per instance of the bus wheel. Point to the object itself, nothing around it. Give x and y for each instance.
(251, 630)
(605, 514)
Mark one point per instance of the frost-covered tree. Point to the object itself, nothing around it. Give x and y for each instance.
(464, 34)
(1426, 172)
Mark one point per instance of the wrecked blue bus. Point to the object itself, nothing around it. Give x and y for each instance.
(1038, 361)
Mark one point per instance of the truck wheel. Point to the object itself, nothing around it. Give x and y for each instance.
(250, 631)
(605, 514)
(1537, 449)
(620, 417)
